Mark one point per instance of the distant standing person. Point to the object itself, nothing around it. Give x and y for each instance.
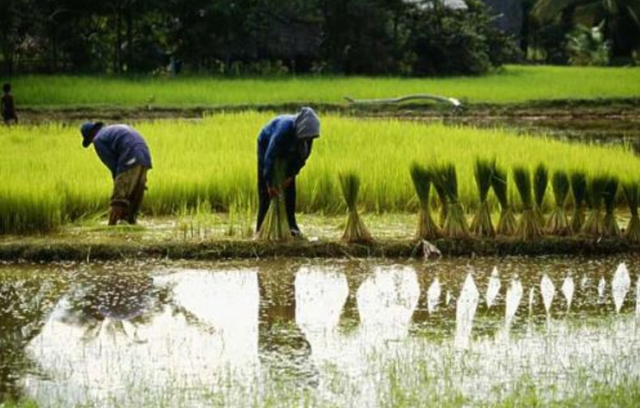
(7, 106)
(123, 150)
(288, 138)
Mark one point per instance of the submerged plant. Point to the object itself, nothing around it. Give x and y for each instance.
(427, 228)
(455, 223)
(540, 182)
(611, 228)
(579, 191)
(594, 224)
(275, 226)
(481, 225)
(632, 194)
(355, 230)
(528, 228)
(507, 223)
(558, 222)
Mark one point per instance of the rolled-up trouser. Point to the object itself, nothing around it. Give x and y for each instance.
(264, 200)
(128, 191)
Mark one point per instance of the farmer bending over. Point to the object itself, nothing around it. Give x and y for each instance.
(287, 138)
(126, 154)
(7, 106)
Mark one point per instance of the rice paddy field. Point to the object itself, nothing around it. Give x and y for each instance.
(49, 179)
(509, 85)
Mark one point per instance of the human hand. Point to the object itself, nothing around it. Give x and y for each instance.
(273, 192)
(287, 182)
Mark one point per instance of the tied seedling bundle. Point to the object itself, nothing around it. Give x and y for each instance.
(611, 228)
(427, 228)
(434, 172)
(455, 223)
(558, 222)
(632, 194)
(481, 224)
(275, 226)
(579, 191)
(540, 182)
(528, 228)
(507, 224)
(355, 230)
(594, 224)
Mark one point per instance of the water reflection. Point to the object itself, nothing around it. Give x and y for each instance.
(568, 288)
(433, 295)
(620, 286)
(466, 311)
(548, 291)
(494, 287)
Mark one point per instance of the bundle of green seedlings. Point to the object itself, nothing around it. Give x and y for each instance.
(275, 226)
(529, 227)
(558, 223)
(611, 228)
(507, 224)
(355, 231)
(594, 224)
(455, 223)
(427, 228)
(481, 224)
(434, 171)
(579, 192)
(540, 182)
(632, 194)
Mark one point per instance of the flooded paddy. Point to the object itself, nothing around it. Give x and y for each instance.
(374, 333)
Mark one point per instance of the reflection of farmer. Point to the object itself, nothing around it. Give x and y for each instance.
(125, 153)
(287, 138)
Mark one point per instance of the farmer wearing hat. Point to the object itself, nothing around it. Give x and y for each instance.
(125, 153)
(287, 138)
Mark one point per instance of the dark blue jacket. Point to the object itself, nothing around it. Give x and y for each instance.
(120, 148)
(278, 141)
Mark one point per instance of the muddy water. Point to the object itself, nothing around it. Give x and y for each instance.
(319, 333)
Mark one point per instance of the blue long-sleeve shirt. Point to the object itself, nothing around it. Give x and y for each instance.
(120, 148)
(278, 141)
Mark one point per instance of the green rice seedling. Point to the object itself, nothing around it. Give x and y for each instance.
(611, 228)
(594, 224)
(355, 231)
(507, 224)
(275, 226)
(579, 192)
(540, 182)
(455, 224)
(558, 223)
(427, 228)
(433, 172)
(632, 194)
(528, 227)
(482, 225)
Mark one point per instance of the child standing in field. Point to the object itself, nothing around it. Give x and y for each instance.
(7, 106)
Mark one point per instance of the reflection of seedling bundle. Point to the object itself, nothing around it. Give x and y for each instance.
(507, 224)
(632, 193)
(455, 223)
(528, 227)
(355, 230)
(594, 224)
(579, 191)
(275, 226)
(540, 182)
(610, 194)
(481, 224)
(427, 228)
(558, 222)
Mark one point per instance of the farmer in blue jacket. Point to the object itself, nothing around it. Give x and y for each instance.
(287, 138)
(125, 153)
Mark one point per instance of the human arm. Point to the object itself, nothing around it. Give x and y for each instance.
(275, 148)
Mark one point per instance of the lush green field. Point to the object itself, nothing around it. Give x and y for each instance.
(48, 178)
(513, 84)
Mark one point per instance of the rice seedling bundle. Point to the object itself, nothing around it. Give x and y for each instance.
(579, 192)
(632, 194)
(611, 228)
(455, 223)
(528, 227)
(558, 222)
(434, 171)
(355, 231)
(594, 224)
(507, 224)
(540, 182)
(481, 224)
(275, 226)
(427, 228)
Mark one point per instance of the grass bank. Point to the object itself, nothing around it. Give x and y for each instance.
(513, 84)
